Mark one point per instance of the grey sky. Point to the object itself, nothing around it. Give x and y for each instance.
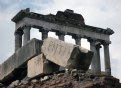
(100, 13)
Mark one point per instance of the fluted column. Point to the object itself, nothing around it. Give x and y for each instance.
(77, 39)
(60, 35)
(107, 58)
(26, 31)
(95, 64)
(18, 39)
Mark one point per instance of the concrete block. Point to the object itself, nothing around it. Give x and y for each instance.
(66, 55)
(10, 69)
(39, 65)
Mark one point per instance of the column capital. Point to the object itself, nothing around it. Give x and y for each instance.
(44, 33)
(74, 36)
(18, 32)
(26, 30)
(27, 26)
(92, 40)
(43, 30)
(60, 33)
(98, 45)
(106, 42)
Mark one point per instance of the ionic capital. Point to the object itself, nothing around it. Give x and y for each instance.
(98, 45)
(58, 33)
(76, 36)
(106, 42)
(43, 30)
(92, 40)
(18, 32)
(27, 27)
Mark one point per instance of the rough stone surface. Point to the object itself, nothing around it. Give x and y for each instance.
(65, 54)
(11, 68)
(39, 65)
(76, 80)
(85, 58)
(14, 84)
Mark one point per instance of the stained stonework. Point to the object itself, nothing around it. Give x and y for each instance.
(66, 55)
(11, 68)
(39, 65)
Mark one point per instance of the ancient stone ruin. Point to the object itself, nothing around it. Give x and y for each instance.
(38, 58)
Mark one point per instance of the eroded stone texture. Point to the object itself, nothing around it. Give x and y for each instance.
(39, 65)
(65, 54)
(11, 68)
(85, 58)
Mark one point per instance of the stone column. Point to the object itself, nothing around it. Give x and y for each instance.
(107, 58)
(26, 31)
(98, 46)
(95, 64)
(44, 33)
(60, 35)
(18, 39)
(77, 39)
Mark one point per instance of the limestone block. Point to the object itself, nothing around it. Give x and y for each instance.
(66, 55)
(11, 67)
(39, 65)
(61, 53)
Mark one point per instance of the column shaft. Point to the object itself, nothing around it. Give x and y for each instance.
(26, 34)
(107, 59)
(95, 64)
(98, 60)
(44, 34)
(18, 39)
(60, 35)
(77, 39)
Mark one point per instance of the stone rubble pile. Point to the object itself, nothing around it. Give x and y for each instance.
(70, 79)
(39, 58)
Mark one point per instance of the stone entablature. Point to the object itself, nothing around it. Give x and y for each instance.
(76, 20)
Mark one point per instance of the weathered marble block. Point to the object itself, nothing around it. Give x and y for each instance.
(66, 55)
(39, 65)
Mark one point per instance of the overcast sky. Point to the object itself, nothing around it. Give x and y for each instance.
(99, 13)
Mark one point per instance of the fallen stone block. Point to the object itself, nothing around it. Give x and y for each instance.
(13, 67)
(85, 58)
(39, 65)
(66, 55)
